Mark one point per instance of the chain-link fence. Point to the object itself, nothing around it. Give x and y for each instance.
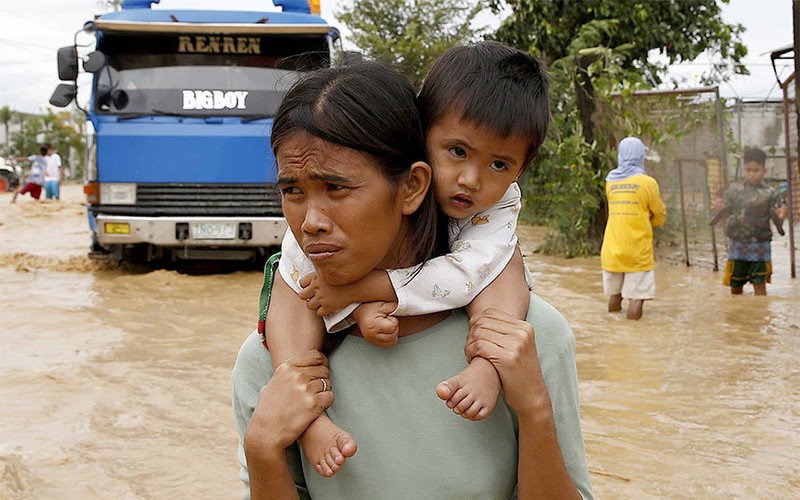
(684, 155)
(695, 149)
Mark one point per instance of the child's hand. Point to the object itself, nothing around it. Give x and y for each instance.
(320, 297)
(376, 325)
(717, 204)
(782, 210)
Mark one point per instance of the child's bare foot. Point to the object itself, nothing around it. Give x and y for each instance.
(326, 446)
(376, 325)
(473, 392)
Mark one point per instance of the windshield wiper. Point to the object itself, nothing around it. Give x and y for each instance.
(253, 118)
(157, 112)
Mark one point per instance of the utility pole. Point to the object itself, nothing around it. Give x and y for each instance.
(796, 26)
(796, 30)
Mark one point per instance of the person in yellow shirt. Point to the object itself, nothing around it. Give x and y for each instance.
(634, 208)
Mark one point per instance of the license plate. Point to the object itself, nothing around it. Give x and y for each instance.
(117, 228)
(220, 231)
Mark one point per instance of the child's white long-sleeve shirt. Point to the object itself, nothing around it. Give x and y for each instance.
(480, 248)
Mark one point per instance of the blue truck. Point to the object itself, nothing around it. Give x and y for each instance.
(178, 158)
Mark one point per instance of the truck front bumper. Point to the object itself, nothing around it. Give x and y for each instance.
(190, 231)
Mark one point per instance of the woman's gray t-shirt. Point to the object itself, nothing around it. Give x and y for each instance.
(410, 445)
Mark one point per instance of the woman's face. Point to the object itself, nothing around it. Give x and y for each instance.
(344, 213)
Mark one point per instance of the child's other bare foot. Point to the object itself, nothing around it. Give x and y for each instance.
(327, 446)
(473, 392)
(376, 325)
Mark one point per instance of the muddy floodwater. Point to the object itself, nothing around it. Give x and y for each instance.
(114, 383)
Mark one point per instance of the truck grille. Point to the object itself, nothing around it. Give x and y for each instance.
(155, 200)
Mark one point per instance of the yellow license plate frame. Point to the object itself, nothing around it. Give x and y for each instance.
(117, 228)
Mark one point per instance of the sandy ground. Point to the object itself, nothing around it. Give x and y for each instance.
(114, 382)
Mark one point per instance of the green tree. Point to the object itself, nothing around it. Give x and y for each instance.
(63, 130)
(25, 141)
(5, 116)
(599, 51)
(65, 133)
(410, 34)
(565, 189)
(680, 30)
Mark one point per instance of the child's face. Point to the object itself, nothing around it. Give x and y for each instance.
(754, 172)
(472, 167)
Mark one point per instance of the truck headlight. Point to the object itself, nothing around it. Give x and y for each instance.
(118, 193)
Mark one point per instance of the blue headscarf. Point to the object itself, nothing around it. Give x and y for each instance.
(630, 156)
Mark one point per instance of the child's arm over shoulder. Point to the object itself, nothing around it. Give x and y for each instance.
(326, 299)
(481, 249)
(288, 327)
(293, 266)
(508, 292)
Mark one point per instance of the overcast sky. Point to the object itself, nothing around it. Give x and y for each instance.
(32, 30)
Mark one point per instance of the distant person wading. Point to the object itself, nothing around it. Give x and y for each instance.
(749, 208)
(634, 208)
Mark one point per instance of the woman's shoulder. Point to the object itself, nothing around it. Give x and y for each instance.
(554, 336)
(253, 363)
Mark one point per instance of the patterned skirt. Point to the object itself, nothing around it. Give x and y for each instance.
(758, 251)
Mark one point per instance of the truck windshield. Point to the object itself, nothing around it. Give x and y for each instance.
(202, 74)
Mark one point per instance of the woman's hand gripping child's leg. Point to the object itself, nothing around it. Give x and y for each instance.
(473, 392)
(292, 329)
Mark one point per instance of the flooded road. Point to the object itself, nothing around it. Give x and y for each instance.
(115, 383)
(699, 399)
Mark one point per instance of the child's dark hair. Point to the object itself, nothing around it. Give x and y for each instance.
(756, 155)
(492, 85)
(43, 150)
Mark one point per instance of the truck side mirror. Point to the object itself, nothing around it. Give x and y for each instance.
(63, 94)
(67, 63)
(335, 35)
(94, 62)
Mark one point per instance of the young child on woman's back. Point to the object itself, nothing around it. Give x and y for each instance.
(486, 112)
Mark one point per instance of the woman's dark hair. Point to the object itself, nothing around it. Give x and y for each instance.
(492, 85)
